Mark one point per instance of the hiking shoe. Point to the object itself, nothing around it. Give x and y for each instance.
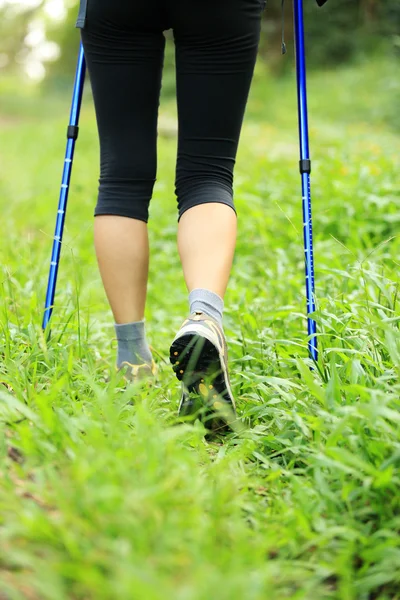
(133, 373)
(199, 358)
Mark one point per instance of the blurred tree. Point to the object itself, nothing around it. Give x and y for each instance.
(67, 37)
(335, 33)
(14, 26)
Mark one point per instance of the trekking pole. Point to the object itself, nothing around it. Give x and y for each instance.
(72, 135)
(305, 170)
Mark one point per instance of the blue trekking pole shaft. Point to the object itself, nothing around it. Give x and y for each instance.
(305, 170)
(72, 135)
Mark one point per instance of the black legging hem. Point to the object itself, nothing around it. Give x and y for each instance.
(115, 211)
(207, 202)
(204, 193)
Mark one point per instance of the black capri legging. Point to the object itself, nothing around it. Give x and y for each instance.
(216, 45)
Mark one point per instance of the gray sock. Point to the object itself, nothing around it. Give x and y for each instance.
(205, 301)
(132, 344)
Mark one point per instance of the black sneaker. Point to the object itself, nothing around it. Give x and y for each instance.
(199, 357)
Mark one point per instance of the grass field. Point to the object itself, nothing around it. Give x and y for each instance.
(102, 495)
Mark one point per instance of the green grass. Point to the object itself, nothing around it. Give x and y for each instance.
(102, 495)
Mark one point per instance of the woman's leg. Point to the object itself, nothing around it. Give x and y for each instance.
(216, 49)
(124, 48)
(122, 249)
(206, 243)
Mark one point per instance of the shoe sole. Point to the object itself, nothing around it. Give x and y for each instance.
(198, 364)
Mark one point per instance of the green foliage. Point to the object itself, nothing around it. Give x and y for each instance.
(13, 29)
(334, 32)
(103, 495)
(67, 36)
(339, 32)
